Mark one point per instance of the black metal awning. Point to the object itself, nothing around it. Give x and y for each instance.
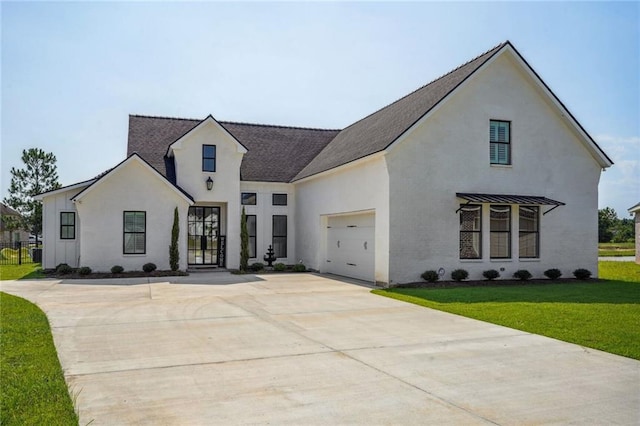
(509, 199)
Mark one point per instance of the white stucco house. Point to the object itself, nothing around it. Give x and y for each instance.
(483, 168)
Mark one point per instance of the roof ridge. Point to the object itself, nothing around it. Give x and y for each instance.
(165, 117)
(500, 45)
(278, 126)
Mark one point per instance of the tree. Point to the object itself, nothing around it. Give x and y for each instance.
(244, 242)
(174, 253)
(623, 231)
(39, 175)
(607, 218)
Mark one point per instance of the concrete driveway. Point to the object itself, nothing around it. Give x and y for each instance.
(307, 349)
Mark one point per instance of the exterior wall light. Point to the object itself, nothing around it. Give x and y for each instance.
(209, 183)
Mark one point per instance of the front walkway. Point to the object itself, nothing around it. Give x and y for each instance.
(306, 349)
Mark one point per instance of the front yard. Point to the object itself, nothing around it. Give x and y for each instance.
(16, 272)
(601, 314)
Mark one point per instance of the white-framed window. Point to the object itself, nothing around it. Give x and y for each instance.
(499, 142)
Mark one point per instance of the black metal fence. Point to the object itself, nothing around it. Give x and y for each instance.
(20, 252)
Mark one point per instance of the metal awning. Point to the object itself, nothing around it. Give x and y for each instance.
(509, 199)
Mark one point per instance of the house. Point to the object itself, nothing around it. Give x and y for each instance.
(483, 168)
(8, 234)
(635, 210)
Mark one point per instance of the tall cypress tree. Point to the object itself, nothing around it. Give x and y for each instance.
(244, 242)
(174, 253)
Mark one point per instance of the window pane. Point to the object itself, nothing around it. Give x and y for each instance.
(470, 243)
(252, 247)
(129, 221)
(139, 222)
(67, 218)
(500, 218)
(280, 246)
(129, 243)
(208, 151)
(528, 218)
(208, 165)
(500, 244)
(470, 218)
(500, 227)
(470, 235)
(528, 244)
(279, 199)
(248, 198)
(279, 226)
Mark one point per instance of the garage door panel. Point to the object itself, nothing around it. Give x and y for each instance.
(351, 247)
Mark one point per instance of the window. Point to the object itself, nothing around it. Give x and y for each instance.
(251, 228)
(470, 231)
(529, 232)
(500, 142)
(279, 199)
(500, 230)
(67, 225)
(248, 198)
(208, 158)
(280, 236)
(135, 233)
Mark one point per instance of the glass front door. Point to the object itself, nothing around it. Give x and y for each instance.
(204, 227)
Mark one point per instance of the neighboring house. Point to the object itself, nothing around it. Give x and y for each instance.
(483, 168)
(635, 210)
(9, 235)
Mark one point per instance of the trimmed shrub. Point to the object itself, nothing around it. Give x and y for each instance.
(84, 270)
(299, 267)
(117, 269)
(522, 274)
(430, 276)
(582, 274)
(64, 269)
(149, 267)
(255, 267)
(553, 274)
(279, 267)
(459, 275)
(491, 274)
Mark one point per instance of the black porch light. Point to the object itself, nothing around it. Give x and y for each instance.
(209, 183)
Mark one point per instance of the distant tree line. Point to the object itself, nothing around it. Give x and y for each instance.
(613, 229)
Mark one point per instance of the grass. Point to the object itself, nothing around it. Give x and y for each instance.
(616, 249)
(601, 314)
(24, 271)
(33, 387)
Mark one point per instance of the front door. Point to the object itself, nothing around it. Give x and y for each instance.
(204, 226)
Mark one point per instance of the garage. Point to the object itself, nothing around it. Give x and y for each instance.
(351, 246)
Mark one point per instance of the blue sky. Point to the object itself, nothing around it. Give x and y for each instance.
(72, 72)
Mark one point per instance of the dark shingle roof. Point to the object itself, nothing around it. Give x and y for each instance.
(377, 131)
(275, 153)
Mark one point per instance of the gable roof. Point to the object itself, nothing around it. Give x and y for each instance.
(8, 211)
(209, 119)
(275, 153)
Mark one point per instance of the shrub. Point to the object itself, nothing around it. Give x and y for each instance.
(299, 267)
(430, 276)
(553, 274)
(255, 267)
(117, 269)
(491, 274)
(64, 269)
(582, 274)
(149, 267)
(459, 275)
(85, 270)
(522, 274)
(279, 267)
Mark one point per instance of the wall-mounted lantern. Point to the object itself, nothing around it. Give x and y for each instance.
(209, 183)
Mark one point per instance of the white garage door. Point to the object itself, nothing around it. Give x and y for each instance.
(350, 246)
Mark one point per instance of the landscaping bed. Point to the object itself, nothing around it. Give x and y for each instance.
(492, 283)
(51, 273)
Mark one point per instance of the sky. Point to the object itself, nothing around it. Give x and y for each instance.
(72, 72)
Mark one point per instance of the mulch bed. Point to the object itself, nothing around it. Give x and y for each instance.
(494, 283)
(50, 273)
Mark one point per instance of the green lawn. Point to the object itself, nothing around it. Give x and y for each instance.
(603, 315)
(16, 272)
(33, 388)
(616, 249)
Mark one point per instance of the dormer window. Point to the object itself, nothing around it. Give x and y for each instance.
(500, 142)
(208, 158)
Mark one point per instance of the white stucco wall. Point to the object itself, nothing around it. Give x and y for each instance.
(130, 187)
(226, 188)
(361, 186)
(449, 153)
(56, 250)
(264, 211)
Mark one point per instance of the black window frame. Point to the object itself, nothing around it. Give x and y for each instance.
(206, 157)
(125, 232)
(252, 238)
(68, 226)
(497, 141)
(463, 233)
(274, 196)
(242, 198)
(522, 233)
(508, 231)
(278, 237)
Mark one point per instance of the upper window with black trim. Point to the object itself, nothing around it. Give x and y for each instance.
(279, 199)
(248, 198)
(499, 142)
(134, 240)
(208, 158)
(67, 225)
